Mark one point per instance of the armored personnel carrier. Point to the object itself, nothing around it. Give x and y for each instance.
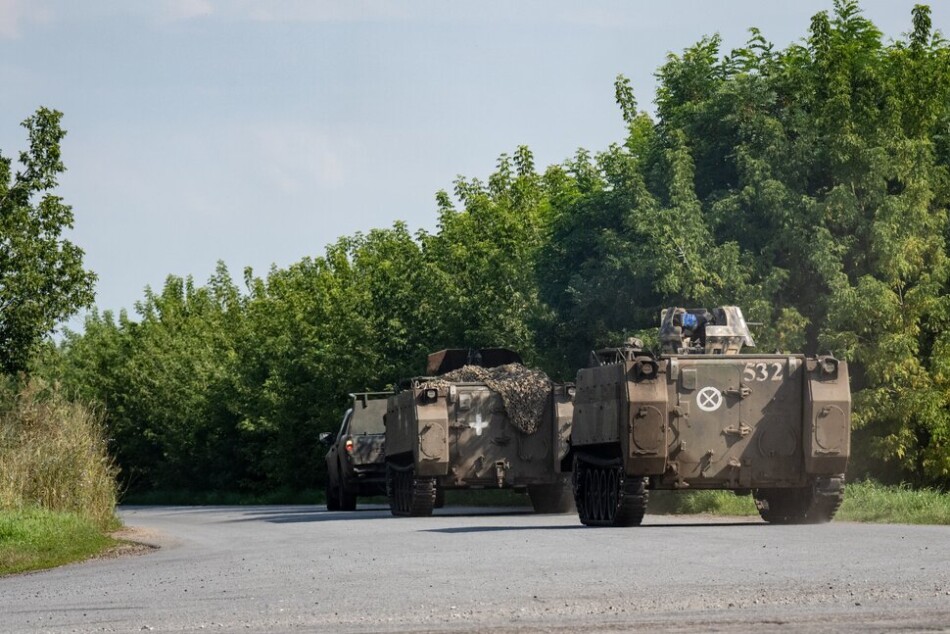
(355, 460)
(479, 419)
(704, 414)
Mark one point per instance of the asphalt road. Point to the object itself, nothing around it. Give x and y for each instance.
(300, 568)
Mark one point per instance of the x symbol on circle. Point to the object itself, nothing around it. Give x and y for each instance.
(709, 399)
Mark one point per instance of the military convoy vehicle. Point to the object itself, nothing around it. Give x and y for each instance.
(479, 419)
(355, 460)
(703, 414)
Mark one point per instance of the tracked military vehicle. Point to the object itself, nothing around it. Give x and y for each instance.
(478, 420)
(704, 414)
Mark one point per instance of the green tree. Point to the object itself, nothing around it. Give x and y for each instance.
(167, 383)
(42, 279)
(808, 185)
(484, 254)
(358, 318)
(826, 166)
(629, 236)
(309, 340)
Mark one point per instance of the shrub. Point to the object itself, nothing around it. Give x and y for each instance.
(53, 454)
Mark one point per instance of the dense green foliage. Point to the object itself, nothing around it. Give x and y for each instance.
(809, 185)
(42, 280)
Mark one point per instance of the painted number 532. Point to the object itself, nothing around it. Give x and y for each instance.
(762, 372)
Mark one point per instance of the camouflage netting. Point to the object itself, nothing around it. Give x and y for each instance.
(523, 390)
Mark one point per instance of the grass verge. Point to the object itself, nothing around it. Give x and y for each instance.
(57, 490)
(872, 502)
(863, 502)
(695, 502)
(34, 539)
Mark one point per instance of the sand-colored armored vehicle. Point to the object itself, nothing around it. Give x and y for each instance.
(355, 458)
(479, 419)
(706, 415)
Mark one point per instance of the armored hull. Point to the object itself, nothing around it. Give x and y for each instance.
(777, 426)
(443, 435)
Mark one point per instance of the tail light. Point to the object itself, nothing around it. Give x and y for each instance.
(348, 445)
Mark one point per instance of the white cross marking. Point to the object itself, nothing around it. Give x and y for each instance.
(478, 425)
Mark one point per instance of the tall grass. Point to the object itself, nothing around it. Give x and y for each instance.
(864, 501)
(692, 502)
(53, 454)
(869, 501)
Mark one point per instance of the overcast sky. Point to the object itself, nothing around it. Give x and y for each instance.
(258, 132)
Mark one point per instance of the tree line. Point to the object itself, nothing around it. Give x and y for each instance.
(809, 185)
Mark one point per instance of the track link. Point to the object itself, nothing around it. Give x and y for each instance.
(409, 496)
(606, 496)
(815, 504)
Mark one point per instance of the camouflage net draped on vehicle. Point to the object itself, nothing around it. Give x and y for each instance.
(523, 390)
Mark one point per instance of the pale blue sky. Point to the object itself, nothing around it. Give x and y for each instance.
(259, 132)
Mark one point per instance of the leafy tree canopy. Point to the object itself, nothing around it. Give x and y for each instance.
(809, 185)
(42, 279)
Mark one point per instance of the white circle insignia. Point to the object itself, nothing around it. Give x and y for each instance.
(709, 399)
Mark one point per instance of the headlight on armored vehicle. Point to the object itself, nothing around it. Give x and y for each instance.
(829, 367)
(348, 445)
(644, 369)
(430, 395)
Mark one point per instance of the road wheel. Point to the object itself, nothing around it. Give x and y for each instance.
(630, 508)
(606, 496)
(409, 495)
(392, 488)
(347, 498)
(333, 496)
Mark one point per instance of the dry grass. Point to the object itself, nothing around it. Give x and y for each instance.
(53, 455)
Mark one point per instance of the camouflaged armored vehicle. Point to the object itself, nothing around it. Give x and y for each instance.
(355, 459)
(479, 419)
(706, 415)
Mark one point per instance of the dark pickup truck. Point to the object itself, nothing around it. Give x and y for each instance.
(356, 461)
